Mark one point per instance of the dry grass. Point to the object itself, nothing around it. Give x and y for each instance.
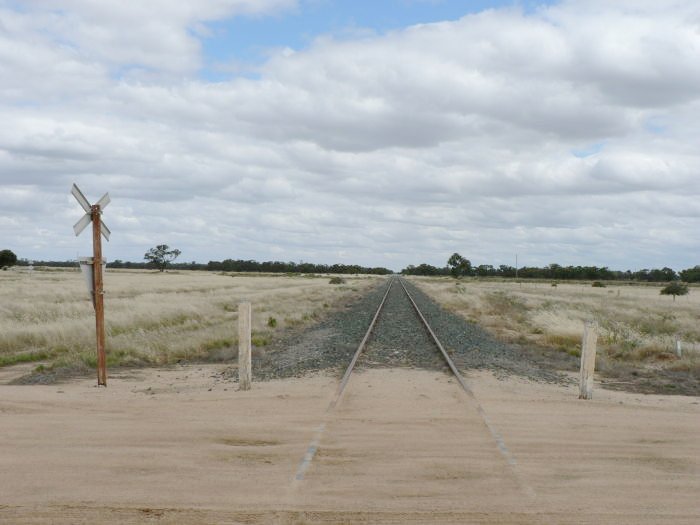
(637, 325)
(152, 317)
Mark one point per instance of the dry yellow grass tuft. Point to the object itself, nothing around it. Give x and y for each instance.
(636, 323)
(152, 317)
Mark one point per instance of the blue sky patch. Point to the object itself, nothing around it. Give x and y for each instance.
(589, 150)
(656, 125)
(236, 46)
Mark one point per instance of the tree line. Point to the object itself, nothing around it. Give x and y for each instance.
(229, 265)
(249, 265)
(458, 266)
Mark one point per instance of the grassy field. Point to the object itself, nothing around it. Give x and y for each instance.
(157, 318)
(152, 317)
(638, 327)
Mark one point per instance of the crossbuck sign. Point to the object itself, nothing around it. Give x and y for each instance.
(93, 214)
(79, 226)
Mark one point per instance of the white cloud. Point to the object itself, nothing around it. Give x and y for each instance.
(157, 35)
(395, 149)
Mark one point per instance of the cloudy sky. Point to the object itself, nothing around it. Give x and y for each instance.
(381, 133)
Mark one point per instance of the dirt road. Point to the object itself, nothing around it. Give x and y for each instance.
(182, 446)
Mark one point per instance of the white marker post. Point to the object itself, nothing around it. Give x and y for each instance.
(588, 349)
(244, 346)
(93, 214)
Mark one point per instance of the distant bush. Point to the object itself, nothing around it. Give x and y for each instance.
(271, 322)
(675, 289)
(336, 280)
(598, 284)
(7, 258)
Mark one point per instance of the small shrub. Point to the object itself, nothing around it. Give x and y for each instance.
(336, 280)
(663, 324)
(568, 343)
(215, 344)
(598, 284)
(554, 285)
(88, 359)
(271, 322)
(14, 359)
(260, 340)
(506, 305)
(675, 289)
(310, 316)
(651, 352)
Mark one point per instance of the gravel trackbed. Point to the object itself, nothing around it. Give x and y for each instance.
(398, 339)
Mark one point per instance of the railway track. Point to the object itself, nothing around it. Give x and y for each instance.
(398, 284)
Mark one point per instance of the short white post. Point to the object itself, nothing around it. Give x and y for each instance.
(588, 349)
(679, 349)
(244, 346)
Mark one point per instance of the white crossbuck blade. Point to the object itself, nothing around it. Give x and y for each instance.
(87, 218)
(104, 201)
(82, 224)
(80, 198)
(105, 231)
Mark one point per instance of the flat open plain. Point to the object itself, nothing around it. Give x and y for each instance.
(181, 444)
(405, 445)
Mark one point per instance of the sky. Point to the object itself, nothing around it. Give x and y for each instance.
(378, 133)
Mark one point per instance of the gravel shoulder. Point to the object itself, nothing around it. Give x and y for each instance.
(325, 345)
(472, 347)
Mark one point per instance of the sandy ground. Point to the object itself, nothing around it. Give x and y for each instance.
(181, 446)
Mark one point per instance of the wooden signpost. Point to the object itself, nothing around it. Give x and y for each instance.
(588, 351)
(244, 346)
(93, 214)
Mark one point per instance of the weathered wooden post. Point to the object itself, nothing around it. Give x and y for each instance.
(588, 350)
(679, 349)
(93, 215)
(244, 346)
(98, 288)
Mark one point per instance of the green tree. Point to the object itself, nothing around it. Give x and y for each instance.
(484, 270)
(675, 289)
(691, 275)
(665, 274)
(161, 255)
(459, 265)
(7, 258)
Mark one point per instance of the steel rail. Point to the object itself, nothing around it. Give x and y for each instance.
(360, 348)
(315, 442)
(460, 379)
(313, 446)
(437, 342)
